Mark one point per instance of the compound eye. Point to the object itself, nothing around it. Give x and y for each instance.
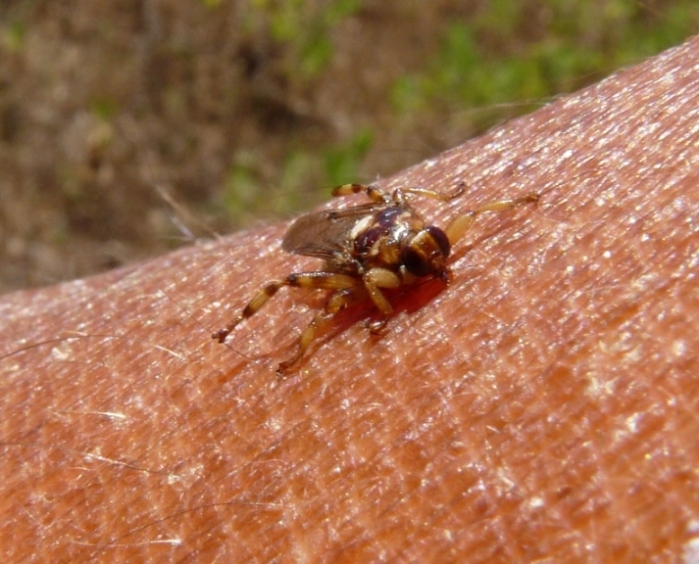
(426, 252)
(415, 261)
(440, 237)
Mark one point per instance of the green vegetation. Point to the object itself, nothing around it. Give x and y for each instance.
(303, 28)
(503, 60)
(342, 161)
(304, 179)
(12, 36)
(500, 56)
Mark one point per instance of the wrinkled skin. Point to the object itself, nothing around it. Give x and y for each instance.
(542, 406)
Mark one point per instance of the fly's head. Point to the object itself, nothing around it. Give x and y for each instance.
(426, 253)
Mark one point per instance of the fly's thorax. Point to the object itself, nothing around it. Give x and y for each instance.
(379, 239)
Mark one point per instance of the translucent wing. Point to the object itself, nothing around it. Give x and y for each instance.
(324, 233)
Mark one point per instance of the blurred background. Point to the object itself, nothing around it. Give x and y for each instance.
(129, 128)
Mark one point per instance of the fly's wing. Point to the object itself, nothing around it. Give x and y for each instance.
(323, 234)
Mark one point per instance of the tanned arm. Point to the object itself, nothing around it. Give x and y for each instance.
(543, 405)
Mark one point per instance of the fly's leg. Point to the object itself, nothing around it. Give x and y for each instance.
(371, 283)
(375, 279)
(426, 193)
(373, 193)
(337, 301)
(318, 280)
(398, 196)
(461, 224)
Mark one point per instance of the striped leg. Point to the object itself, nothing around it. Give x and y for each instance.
(337, 301)
(380, 197)
(320, 280)
(373, 193)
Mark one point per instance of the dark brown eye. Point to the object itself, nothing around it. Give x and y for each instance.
(415, 261)
(426, 252)
(440, 237)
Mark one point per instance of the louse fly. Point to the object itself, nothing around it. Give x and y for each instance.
(367, 249)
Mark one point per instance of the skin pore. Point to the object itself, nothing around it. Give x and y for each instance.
(542, 406)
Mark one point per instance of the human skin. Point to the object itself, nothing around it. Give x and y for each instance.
(541, 407)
